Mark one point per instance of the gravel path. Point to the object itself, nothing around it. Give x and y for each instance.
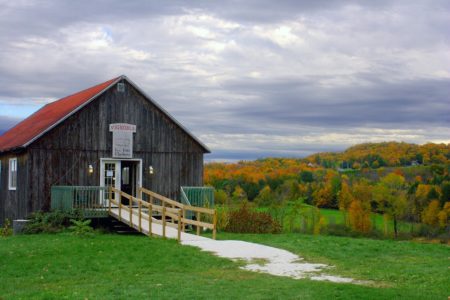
(265, 259)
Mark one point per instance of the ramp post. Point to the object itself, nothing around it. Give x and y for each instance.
(214, 224)
(140, 215)
(150, 213)
(164, 221)
(179, 226)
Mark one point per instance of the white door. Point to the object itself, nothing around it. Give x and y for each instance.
(110, 177)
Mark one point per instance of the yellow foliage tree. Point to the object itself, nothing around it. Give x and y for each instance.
(430, 215)
(444, 215)
(359, 218)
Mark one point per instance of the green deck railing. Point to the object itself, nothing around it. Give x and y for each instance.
(92, 201)
(202, 196)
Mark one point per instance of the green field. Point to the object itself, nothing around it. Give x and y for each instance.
(334, 216)
(109, 266)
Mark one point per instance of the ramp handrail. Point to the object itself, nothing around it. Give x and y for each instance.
(171, 209)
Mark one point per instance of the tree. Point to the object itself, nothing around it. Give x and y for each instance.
(359, 218)
(445, 192)
(430, 215)
(345, 198)
(220, 197)
(238, 195)
(265, 197)
(306, 176)
(420, 199)
(390, 194)
(323, 195)
(360, 208)
(444, 215)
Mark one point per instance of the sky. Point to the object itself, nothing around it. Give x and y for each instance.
(250, 79)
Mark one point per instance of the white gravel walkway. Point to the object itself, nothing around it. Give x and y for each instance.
(265, 259)
(259, 258)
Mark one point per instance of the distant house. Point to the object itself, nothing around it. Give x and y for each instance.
(415, 163)
(111, 134)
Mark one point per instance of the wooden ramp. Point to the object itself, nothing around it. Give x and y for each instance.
(138, 214)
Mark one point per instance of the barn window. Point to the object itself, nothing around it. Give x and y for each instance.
(12, 178)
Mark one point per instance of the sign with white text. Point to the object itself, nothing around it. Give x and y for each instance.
(122, 145)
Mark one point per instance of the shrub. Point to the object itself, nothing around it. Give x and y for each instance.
(6, 229)
(222, 218)
(245, 220)
(81, 227)
(49, 222)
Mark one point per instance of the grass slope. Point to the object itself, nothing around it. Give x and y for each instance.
(111, 266)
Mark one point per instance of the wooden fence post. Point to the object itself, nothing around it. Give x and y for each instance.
(140, 192)
(140, 216)
(120, 206)
(164, 221)
(109, 198)
(179, 226)
(184, 217)
(198, 220)
(214, 224)
(150, 213)
(130, 206)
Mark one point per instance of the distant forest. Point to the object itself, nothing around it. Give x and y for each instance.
(388, 154)
(403, 181)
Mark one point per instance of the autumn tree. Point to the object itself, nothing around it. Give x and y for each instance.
(444, 215)
(238, 195)
(220, 197)
(360, 207)
(359, 218)
(265, 197)
(390, 194)
(323, 195)
(430, 215)
(345, 198)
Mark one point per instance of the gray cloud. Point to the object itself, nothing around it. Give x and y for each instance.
(251, 78)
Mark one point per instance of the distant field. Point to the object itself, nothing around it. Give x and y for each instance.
(108, 266)
(334, 216)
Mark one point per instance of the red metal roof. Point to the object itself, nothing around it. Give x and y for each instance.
(42, 120)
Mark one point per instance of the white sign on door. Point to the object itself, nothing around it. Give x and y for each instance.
(122, 145)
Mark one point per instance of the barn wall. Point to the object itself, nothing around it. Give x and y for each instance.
(13, 204)
(62, 156)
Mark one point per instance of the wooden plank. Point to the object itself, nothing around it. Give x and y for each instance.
(162, 198)
(198, 224)
(199, 209)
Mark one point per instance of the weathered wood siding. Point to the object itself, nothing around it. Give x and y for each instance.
(62, 156)
(13, 203)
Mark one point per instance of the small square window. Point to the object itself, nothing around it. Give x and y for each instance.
(121, 87)
(12, 174)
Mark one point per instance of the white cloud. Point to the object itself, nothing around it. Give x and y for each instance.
(278, 77)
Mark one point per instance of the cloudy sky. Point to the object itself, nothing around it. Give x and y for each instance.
(249, 78)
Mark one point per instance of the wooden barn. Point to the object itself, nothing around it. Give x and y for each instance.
(111, 134)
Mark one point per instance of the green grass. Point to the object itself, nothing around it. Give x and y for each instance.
(108, 266)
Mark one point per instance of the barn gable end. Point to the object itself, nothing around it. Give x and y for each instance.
(63, 154)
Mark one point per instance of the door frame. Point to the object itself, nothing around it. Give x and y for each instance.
(119, 173)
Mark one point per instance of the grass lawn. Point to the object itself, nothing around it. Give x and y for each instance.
(109, 266)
